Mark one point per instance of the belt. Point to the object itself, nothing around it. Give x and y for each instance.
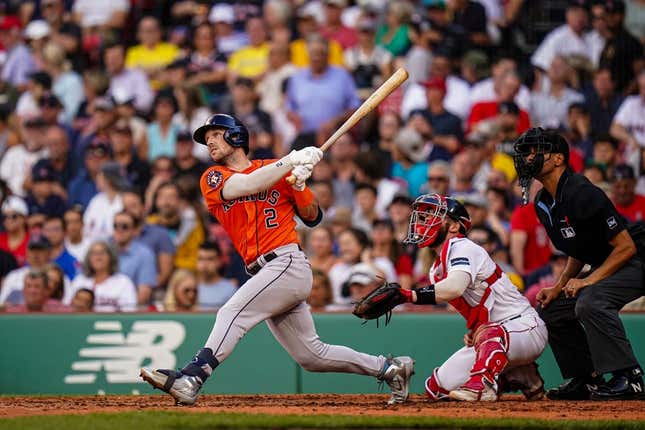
(262, 260)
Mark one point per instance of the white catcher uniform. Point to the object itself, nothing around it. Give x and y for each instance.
(498, 316)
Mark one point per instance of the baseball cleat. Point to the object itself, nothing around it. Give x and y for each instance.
(477, 389)
(182, 387)
(397, 374)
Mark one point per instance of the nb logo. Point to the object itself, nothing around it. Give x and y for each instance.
(637, 388)
(120, 356)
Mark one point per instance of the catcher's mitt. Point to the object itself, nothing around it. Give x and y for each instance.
(381, 301)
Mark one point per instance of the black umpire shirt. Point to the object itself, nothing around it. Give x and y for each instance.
(581, 220)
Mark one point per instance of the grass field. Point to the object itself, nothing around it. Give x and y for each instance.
(194, 421)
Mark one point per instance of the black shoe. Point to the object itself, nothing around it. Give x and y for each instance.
(578, 388)
(622, 386)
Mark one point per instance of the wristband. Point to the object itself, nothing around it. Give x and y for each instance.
(426, 295)
(303, 198)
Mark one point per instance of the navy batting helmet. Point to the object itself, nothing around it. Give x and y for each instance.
(235, 135)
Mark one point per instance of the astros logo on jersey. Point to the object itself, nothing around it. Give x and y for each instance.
(214, 179)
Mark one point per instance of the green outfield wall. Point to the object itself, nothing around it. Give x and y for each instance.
(94, 353)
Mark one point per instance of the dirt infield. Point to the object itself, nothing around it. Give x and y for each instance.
(332, 404)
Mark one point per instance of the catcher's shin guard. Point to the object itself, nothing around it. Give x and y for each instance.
(491, 344)
(435, 391)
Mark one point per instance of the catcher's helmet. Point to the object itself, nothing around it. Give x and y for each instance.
(428, 213)
(235, 135)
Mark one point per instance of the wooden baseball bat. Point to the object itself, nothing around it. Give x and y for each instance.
(368, 105)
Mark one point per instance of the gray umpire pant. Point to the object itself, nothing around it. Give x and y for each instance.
(585, 332)
(277, 294)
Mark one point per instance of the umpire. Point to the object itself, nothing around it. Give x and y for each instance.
(581, 310)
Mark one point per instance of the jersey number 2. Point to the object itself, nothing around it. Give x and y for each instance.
(270, 216)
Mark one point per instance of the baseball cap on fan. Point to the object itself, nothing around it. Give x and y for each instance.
(37, 29)
(362, 274)
(222, 12)
(411, 144)
(15, 204)
(9, 22)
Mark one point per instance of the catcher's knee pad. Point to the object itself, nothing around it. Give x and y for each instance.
(434, 391)
(491, 345)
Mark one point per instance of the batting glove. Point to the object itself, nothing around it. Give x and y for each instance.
(302, 173)
(309, 155)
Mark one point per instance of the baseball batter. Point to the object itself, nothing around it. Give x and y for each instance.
(506, 334)
(256, 206)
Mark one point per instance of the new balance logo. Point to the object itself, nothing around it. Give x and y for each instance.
(637, 388)
(120, 356)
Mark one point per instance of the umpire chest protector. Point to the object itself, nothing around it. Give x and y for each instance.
(580, 220)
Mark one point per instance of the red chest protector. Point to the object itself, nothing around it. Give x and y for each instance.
(474, 315)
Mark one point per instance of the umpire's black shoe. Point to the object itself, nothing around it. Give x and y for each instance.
(578, 388)
(627, 385)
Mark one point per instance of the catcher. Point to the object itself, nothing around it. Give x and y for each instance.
(505, 335)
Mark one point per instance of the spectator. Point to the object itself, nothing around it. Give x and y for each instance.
(394, 35)
(320, 297)
(549, 106)
(181, 222)
(370, 169)
(457, 96)
(634, 23)
(529, 244)
(19, 62)
(321, 249)
(252, 60)
(99, 214)
(419, 58)
(42, 197)
(324, 193)
(38, 255)
(602, 102)
(54, 231)
(36, 295)
(280, 68)
(19, 159)
(546, 277)
(83, 187)
(605, 152)
(66, 84)
(129, 82)
(623, 53)
(334, 28)
(161, 136)
(222, 16)
(83, 300)
(596, 175)
(623, 195)
(28, 104)
(182, 294)
(362, 279)
(186, 164)
(277, 15)
(578, 134)
(469, 18)
(91, 15)
(64, 162)
(206, 65)
(15, 237)
(567, 40)
(354, 247)
(399, 213)
(436, 124)
(410, 154)
(103, 116)
(55, 281)
(62, 31)
(153, 236)
(136, 260)
(438, 178)
(628, 125)
(213, 290)
(369, 63)
(124, 152)
(307, 25)
(95, 84)
(152, 54)
(507, 93)
(163, 170)
(364, 213)
(7, 263)
(331, 87)
(385, 245)
(502, 85)
(464, 167)
(113, 291)
(389, 124)
(192, 114)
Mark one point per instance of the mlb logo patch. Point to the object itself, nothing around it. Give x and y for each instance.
(214, 179)
(611, 222)
(568, 232)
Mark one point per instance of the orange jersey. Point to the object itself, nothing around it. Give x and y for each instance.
(258, 223)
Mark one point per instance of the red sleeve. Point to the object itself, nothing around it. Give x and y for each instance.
(404, 265)
(524, 122)
(519, 219)
(474, 117)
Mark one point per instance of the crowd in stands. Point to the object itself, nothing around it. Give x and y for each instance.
(99, 175)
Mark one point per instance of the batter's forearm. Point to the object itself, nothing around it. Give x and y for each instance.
(262, 179)
(309, 212)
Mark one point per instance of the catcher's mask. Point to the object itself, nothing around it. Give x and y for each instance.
(428, 213)
(530, 150)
